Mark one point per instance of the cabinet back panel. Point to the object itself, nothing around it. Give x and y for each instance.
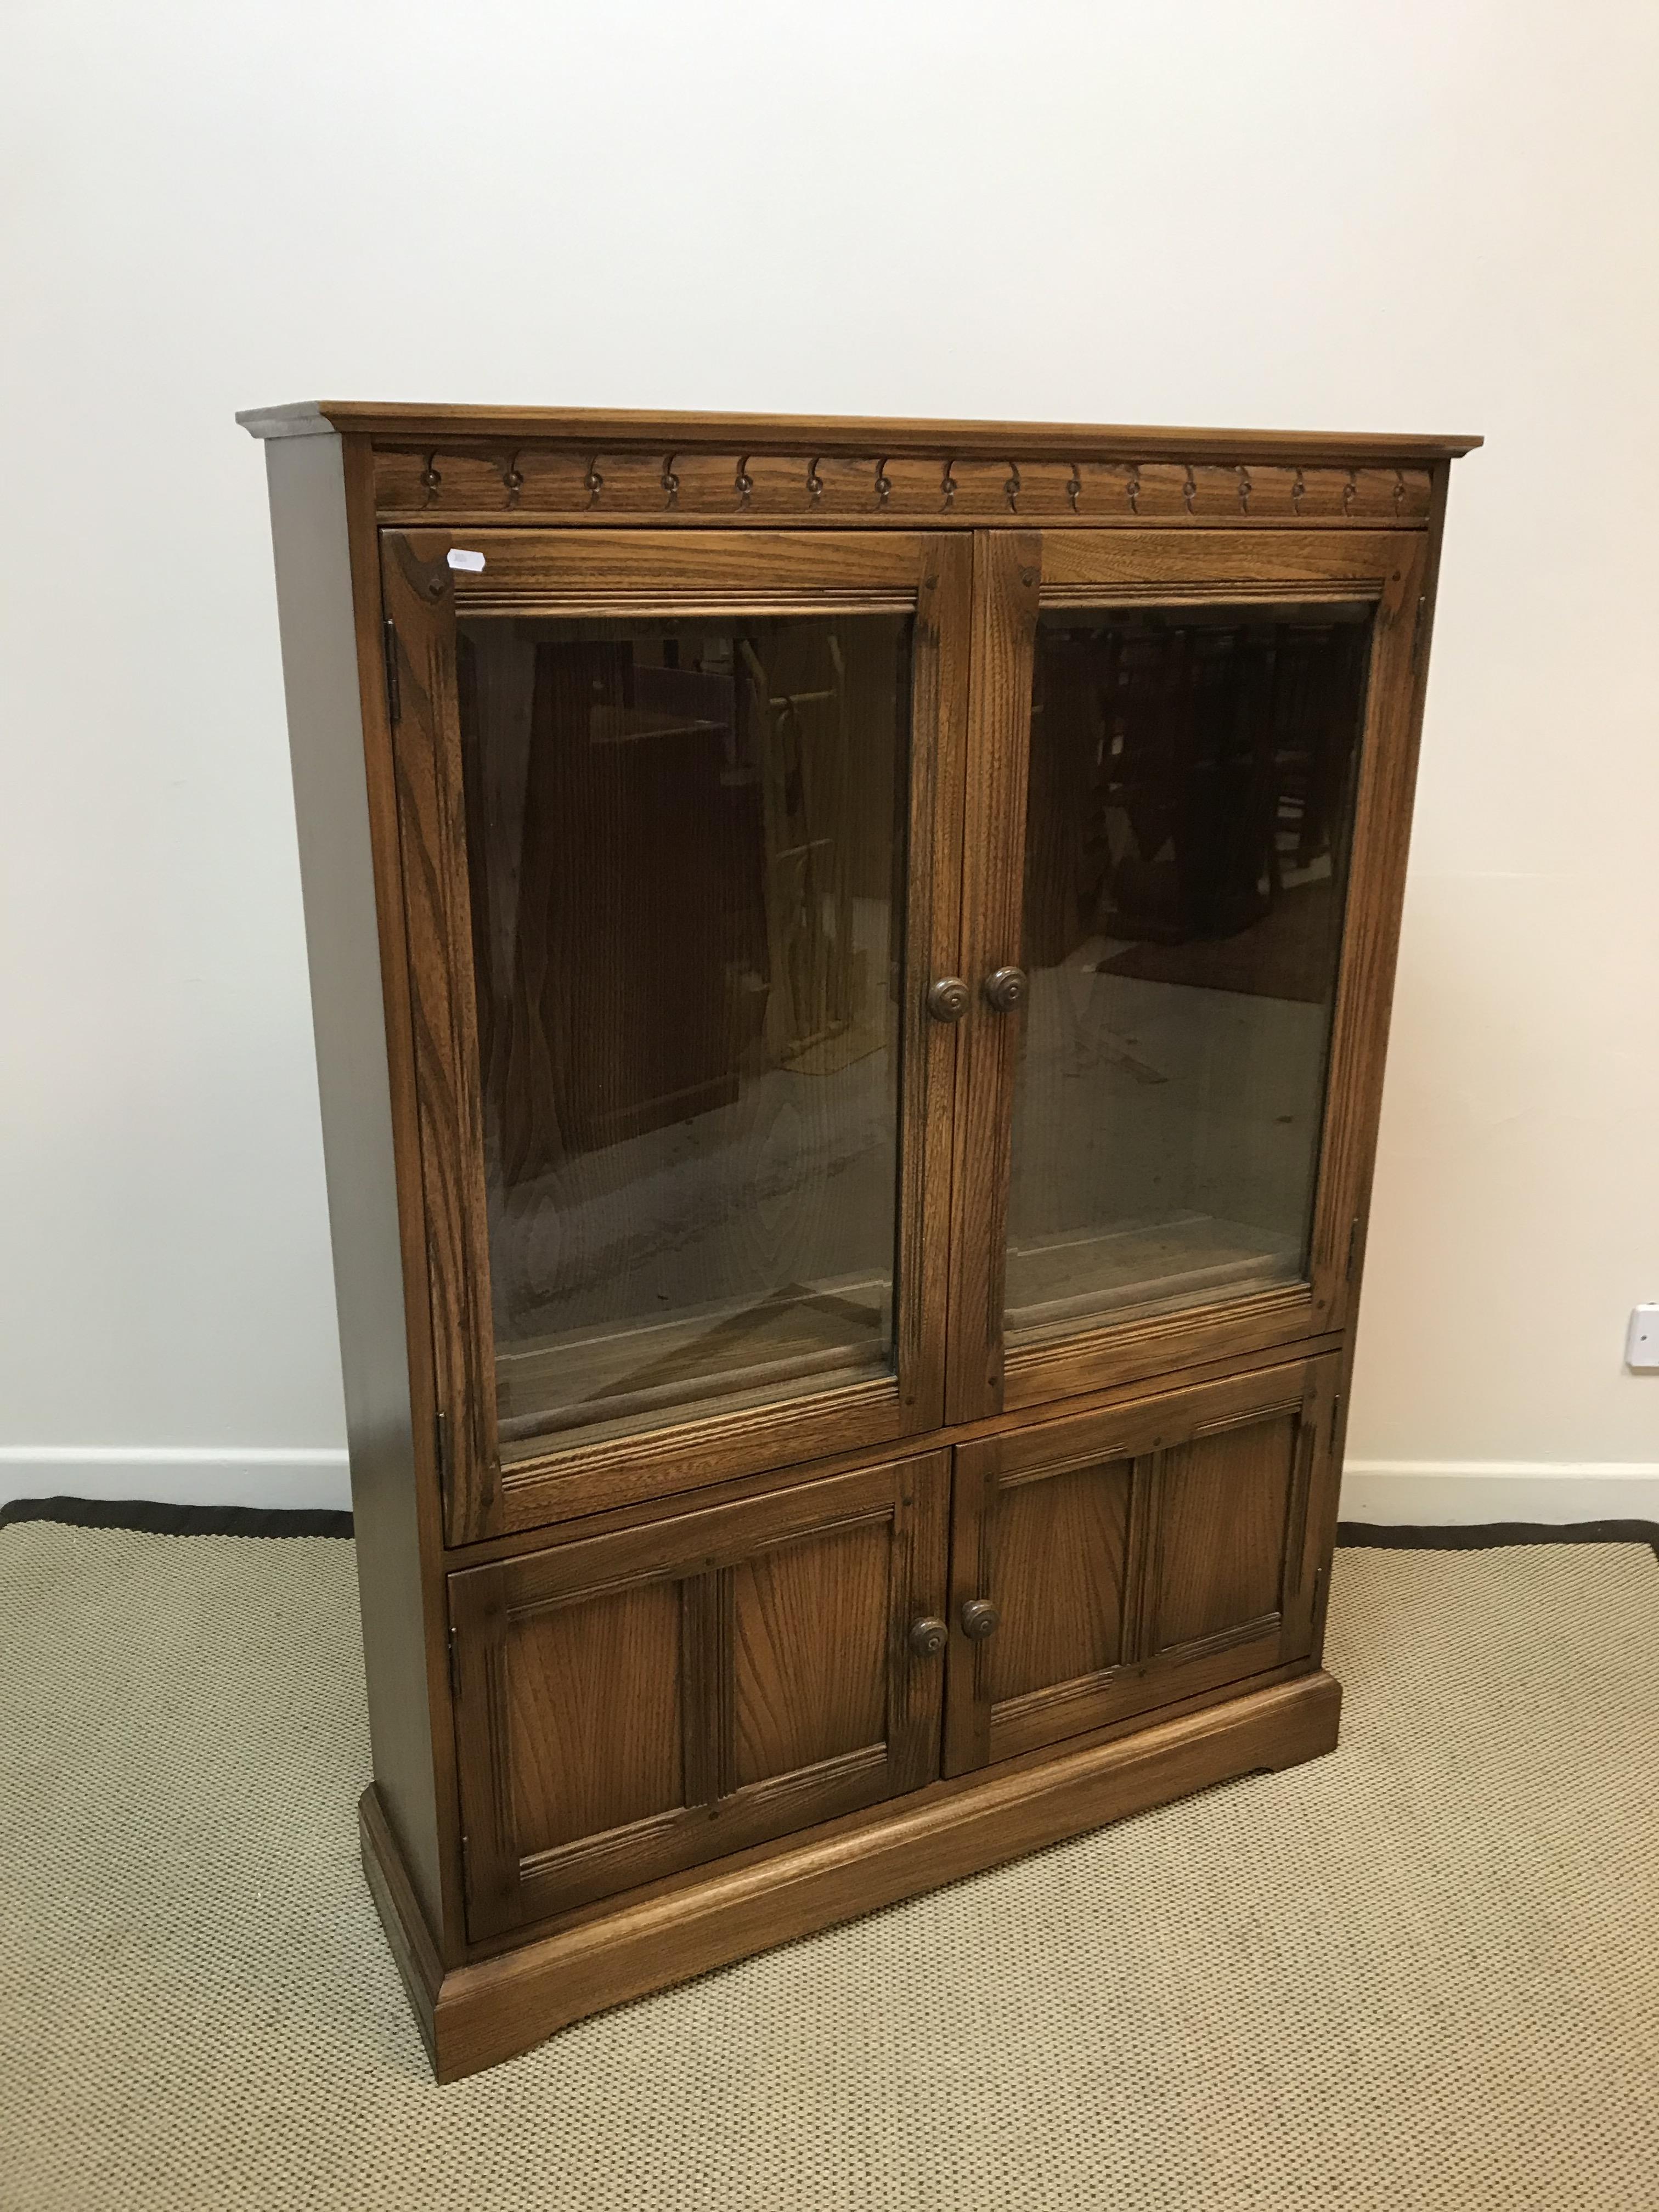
(1223, 1505)
(1058, 1548)
(810, 1647)
(571, 1671)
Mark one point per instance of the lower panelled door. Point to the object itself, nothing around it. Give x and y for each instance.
(631, 1704)
(1111, 1562)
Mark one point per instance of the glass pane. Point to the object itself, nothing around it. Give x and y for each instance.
(1191, 798)
(685, 846)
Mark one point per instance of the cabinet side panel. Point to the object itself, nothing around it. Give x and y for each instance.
(320, 674)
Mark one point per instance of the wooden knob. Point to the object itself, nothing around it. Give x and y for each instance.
(1004, 988)
(979, 1618)
(928, 1637)
(947, 999)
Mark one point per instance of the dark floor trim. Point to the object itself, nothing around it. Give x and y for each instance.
(154, 1520)
(151, 1519)
(1492, 1535)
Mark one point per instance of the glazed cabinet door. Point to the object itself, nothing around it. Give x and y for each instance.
(680, 820)
(1112, 1562)
(631, 1704)
(1190, 780)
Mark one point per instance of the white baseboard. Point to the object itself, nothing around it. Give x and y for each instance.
(178, 1475)
(1390, 1493)
(1430, 1493)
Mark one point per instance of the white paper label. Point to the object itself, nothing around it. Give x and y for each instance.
(473, 563)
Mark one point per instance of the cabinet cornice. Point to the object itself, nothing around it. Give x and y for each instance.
(472, 464)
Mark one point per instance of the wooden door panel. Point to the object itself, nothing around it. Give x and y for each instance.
(631, 1704)
(1136, 1556)
(1067, 1534)
(1221, 1524)
(809, 1651)
(569, 1668)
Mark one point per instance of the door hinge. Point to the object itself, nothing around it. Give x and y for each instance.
(394, 705)
(1319, 1584)
(454, 1670)
(1336, 1418)
(1353, 1246)
(441, 1449)
(1420, 634)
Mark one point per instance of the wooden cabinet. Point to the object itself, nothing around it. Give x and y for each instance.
(851, 965)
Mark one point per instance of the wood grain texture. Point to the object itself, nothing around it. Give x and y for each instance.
(639, 1702)
(573, 1671)
(431, 806)
(1382, 842)
(490, 2010)
(354, 935)
(941, 661)
(1389, 856)
(594, 488)
(586, 427)
(380, 766)
(1223, 1502)
(1172, 566)
(1060, 1559)
(609, 571)
(414, 1949)
(579, 1522)
(1006, 569)
(653, 1467)
(1095, 1359)
(809, 1646)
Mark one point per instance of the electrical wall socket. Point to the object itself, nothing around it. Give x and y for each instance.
(1642, 1343)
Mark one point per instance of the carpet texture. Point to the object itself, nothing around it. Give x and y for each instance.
(1422, 1973)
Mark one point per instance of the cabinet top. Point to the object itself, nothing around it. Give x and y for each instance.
(405, 422)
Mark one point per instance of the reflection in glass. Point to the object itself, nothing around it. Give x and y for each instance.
(1191, 798)
(685, 849)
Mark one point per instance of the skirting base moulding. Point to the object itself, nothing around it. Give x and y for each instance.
(851, 965)
(474, 2016)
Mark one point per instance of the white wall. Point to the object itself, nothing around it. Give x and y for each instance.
(1436, 215)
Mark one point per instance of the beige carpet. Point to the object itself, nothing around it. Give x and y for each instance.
(1422, 1973)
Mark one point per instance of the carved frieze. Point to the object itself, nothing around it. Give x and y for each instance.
(556, 481)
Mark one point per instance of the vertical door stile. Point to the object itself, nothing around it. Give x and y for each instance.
(932, 948)
(919, 1588)
(1381, 832)
(1007, 574)
(420, 603)
(1313, 1536)
(967, 1700)
(478, 1628)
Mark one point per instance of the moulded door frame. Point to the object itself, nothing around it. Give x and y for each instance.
(1016, 574)
(642, 572)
